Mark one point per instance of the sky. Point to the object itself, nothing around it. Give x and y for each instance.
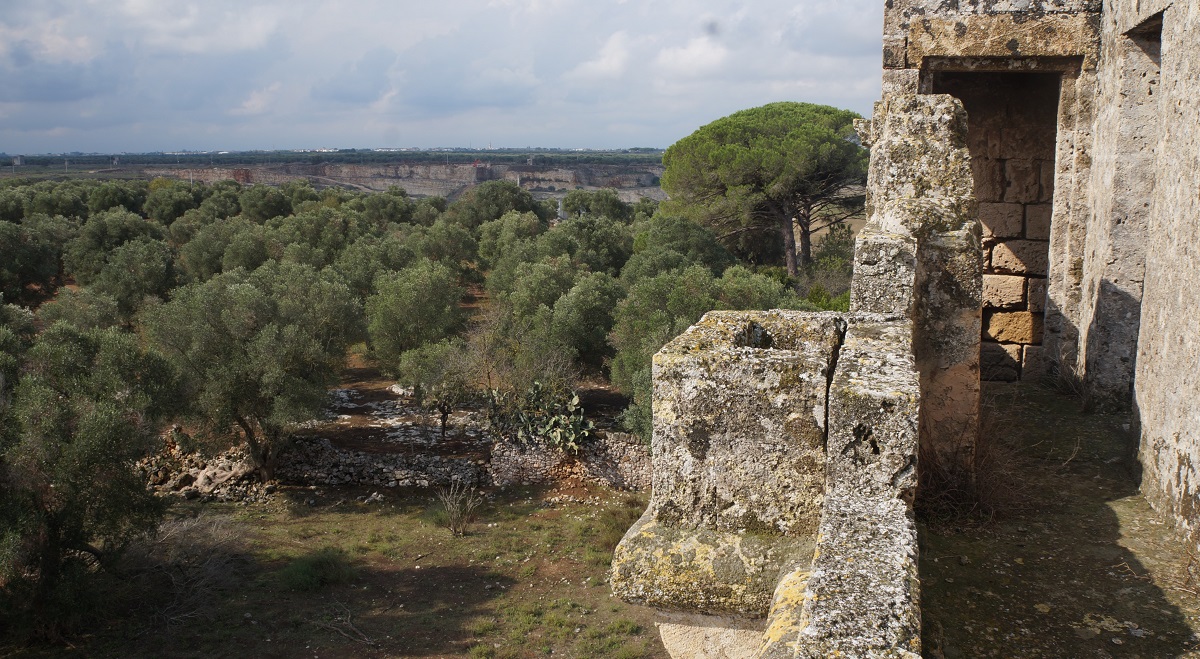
(117, 76)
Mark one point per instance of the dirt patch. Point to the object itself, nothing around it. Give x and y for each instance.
(527, 580)
(1077, 565)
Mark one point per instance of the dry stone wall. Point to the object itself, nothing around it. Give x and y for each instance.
(616, 460)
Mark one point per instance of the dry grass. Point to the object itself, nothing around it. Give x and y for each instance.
(949, 495)
(459, 505)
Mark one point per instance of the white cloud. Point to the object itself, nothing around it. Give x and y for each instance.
(259, 101)
(212, 27)
(610, 62)
(699, 57)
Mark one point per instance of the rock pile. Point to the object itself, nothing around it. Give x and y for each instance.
(226, 477)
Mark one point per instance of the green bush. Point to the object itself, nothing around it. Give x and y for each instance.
(325, 567)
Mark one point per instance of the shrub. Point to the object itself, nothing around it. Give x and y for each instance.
(542, 416)
(459, 504)
(324, 567)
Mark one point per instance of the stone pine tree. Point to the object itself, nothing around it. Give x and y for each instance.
(794, 168)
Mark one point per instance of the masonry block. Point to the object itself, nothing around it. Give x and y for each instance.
(1001, 220)
(1003, 291)
(1014, 327)
(894, 51)
(900, 81)
(988, 176)
(1046, 180)
(1021, 181)
(885, 266)
(1023, 257)
(1037, 221)
(999, 362)
(1035, 293)
(1033, 363)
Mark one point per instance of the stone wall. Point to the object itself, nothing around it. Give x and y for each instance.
(1035, 296)
(1166, 386)
(1012, 120)
(317, 462)
(614, 459)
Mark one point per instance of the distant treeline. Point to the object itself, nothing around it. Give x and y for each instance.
(542, 157)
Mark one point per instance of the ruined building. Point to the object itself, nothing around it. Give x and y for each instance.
(1034, 211)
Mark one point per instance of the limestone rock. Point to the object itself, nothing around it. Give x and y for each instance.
(1003, 291)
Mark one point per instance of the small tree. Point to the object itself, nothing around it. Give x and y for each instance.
(258, 350)
(411, 307)
(796, 167)
(438, 376)
(85, 408)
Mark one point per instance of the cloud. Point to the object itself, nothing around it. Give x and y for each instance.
(700, 56)
(610, 62)
(259, 100)
(359, 82)
(129, 75)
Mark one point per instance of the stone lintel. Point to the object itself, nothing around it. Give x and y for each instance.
(1007, 35)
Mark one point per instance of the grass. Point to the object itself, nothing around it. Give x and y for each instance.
(324, 567)
(347, 579)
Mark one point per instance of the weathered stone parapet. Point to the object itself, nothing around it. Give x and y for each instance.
(701, 570)
(739, 462)
(919, 255)
(866, 555)
(918, 151)
(739, 422)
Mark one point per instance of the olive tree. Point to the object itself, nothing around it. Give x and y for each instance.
(258, 350)
(86, 406)
(412, 307)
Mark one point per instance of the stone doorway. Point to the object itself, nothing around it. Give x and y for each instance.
(1012, 125)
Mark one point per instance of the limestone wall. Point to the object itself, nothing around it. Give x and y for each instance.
(1167, 383)
(1033, 183)
(616, 460)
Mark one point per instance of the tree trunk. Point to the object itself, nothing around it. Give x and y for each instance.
(789, 243)
(260, 451)
(804, 223)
